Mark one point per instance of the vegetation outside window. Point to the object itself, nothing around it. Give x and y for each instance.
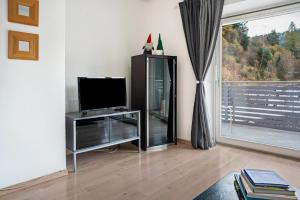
(261, 80)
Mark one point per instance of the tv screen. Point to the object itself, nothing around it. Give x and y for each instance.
(96, 93)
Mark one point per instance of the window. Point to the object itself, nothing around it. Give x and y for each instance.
(260, 99)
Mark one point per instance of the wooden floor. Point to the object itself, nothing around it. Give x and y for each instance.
(177, 173)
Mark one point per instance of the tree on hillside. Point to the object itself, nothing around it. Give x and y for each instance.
(264, 55)
(273, 38)
(292, 39)
(292, 27)
(243, 34)
(280, 70)
(229, 33)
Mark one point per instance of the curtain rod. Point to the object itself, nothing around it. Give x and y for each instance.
(260, 10)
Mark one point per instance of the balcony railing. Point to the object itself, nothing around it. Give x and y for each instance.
(267, 104)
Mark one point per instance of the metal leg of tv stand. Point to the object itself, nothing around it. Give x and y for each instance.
(74, 145)
(74, 161)
(139, 146)
(139, 129)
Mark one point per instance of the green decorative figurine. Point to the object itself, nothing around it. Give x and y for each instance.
(159, 48)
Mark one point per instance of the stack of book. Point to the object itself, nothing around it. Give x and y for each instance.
(256, 184)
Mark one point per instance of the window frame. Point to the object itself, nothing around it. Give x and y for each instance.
(217, 62)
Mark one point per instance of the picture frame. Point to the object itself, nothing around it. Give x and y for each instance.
(23, 12)
(23, 46)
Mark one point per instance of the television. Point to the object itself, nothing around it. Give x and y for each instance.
(97, 93)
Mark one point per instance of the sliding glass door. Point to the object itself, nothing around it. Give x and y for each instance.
(260, 80)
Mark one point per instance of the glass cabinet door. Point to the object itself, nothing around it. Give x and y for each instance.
(161, 74)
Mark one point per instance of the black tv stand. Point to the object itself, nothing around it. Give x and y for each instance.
(100, 129)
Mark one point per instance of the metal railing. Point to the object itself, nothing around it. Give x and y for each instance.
(270, 104)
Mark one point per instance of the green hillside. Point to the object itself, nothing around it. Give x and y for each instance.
(271, 57)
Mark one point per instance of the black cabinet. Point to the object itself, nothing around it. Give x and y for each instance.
(153, 91)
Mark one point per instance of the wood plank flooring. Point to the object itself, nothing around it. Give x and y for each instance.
(179, 172)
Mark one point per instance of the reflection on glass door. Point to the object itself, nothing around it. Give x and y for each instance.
(261, 81)
(160, 104)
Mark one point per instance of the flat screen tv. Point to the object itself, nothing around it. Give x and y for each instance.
(97, 93)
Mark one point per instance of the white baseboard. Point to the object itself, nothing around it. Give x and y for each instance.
(33, 182)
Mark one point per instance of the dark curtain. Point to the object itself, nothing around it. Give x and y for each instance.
(201, 22)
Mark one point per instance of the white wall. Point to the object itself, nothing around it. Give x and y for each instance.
(97, 41)
(32, 96)
(103, 35)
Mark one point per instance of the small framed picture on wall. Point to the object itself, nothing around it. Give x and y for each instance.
(23, 12)
(23, 46)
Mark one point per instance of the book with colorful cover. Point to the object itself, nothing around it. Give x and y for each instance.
(268, 190)
(265, 178)
(250, 193)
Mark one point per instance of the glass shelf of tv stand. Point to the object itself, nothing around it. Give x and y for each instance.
(98, 113)
(100, 129)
